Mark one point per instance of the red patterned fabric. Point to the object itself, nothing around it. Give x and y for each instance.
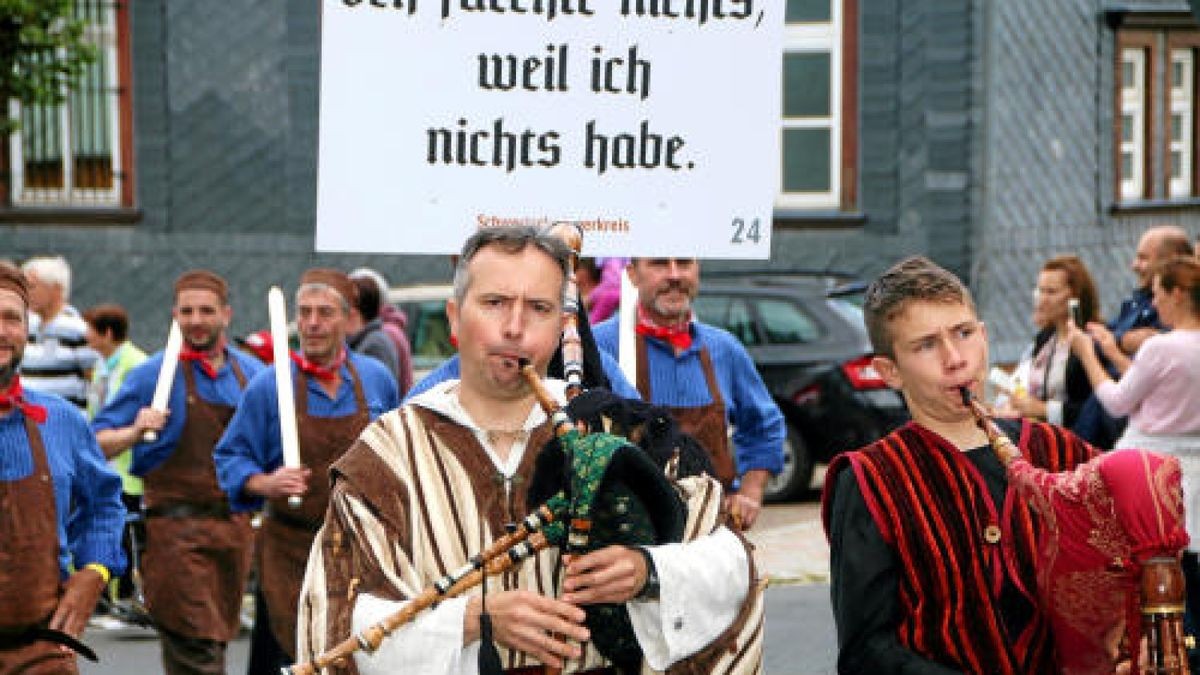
(15, 396)
(932, 506)
(1102, 520)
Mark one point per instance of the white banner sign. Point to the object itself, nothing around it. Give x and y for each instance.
(655, 124)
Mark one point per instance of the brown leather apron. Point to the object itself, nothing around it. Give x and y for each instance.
(198, 553)
(705, 423)
(288, 533)
(30, 579)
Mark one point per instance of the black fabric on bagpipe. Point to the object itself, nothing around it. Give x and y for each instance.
(593, 366)
(650, 427)
(636, 504)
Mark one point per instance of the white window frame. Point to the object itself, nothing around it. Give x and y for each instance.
(818, 38)
(1133, 104)
(104, 36)
(1180, 103)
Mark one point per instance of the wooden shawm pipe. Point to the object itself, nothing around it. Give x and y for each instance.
(370, 639)
(1001, 445)
(572, 347)
(1162, 602)
(504, 554)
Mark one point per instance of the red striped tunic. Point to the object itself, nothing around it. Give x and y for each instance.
(932, 506)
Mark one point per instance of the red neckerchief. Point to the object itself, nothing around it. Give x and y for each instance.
(14, 396)
(203, 359)
(324, 373)
(678, 336)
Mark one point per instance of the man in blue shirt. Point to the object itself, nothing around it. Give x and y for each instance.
(1137, 319)
(61, 510)
(337, 393)
(198, 551)
(705, 377)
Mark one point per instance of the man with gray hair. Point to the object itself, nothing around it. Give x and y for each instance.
(337, 393)
(424, 485)
(58, 359)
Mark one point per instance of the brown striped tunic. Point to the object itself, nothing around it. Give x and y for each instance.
(933, 509)
(417, 495)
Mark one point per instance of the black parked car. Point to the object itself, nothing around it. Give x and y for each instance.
(806, 335)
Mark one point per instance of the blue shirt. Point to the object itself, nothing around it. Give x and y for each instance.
(678, 381)
(1136, 312)
(450, 369)
(138, 390)
(87, 493)
(251, 444)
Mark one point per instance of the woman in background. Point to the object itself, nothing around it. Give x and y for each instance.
(1052, 384)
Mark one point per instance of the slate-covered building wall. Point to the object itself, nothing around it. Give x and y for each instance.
(984, 141)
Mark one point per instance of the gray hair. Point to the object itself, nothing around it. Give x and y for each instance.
(52, 270)
(313, 287)
(510, 239)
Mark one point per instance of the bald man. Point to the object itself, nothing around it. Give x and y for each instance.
(1138, 319)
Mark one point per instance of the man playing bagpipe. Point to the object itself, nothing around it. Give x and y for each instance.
(932, 555)
(431, 484)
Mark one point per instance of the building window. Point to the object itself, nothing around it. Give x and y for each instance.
(1155, 125)
(1131, 133)
(819, 105)
(1180, 103)
(78, 153)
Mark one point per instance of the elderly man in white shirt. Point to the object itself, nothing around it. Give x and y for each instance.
(58, 359)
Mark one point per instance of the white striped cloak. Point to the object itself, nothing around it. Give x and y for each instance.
(416, 496)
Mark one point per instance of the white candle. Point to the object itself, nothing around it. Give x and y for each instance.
(626, 338)
(277, 310)
(166, 376)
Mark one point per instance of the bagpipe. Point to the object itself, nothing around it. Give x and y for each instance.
(605, 478)
(1134, 498)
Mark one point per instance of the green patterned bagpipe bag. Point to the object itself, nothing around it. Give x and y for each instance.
(614, 492)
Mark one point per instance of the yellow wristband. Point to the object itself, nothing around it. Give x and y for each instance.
(105, 575)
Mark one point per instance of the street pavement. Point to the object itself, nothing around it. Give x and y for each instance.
(791, 548)
(791, 543)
